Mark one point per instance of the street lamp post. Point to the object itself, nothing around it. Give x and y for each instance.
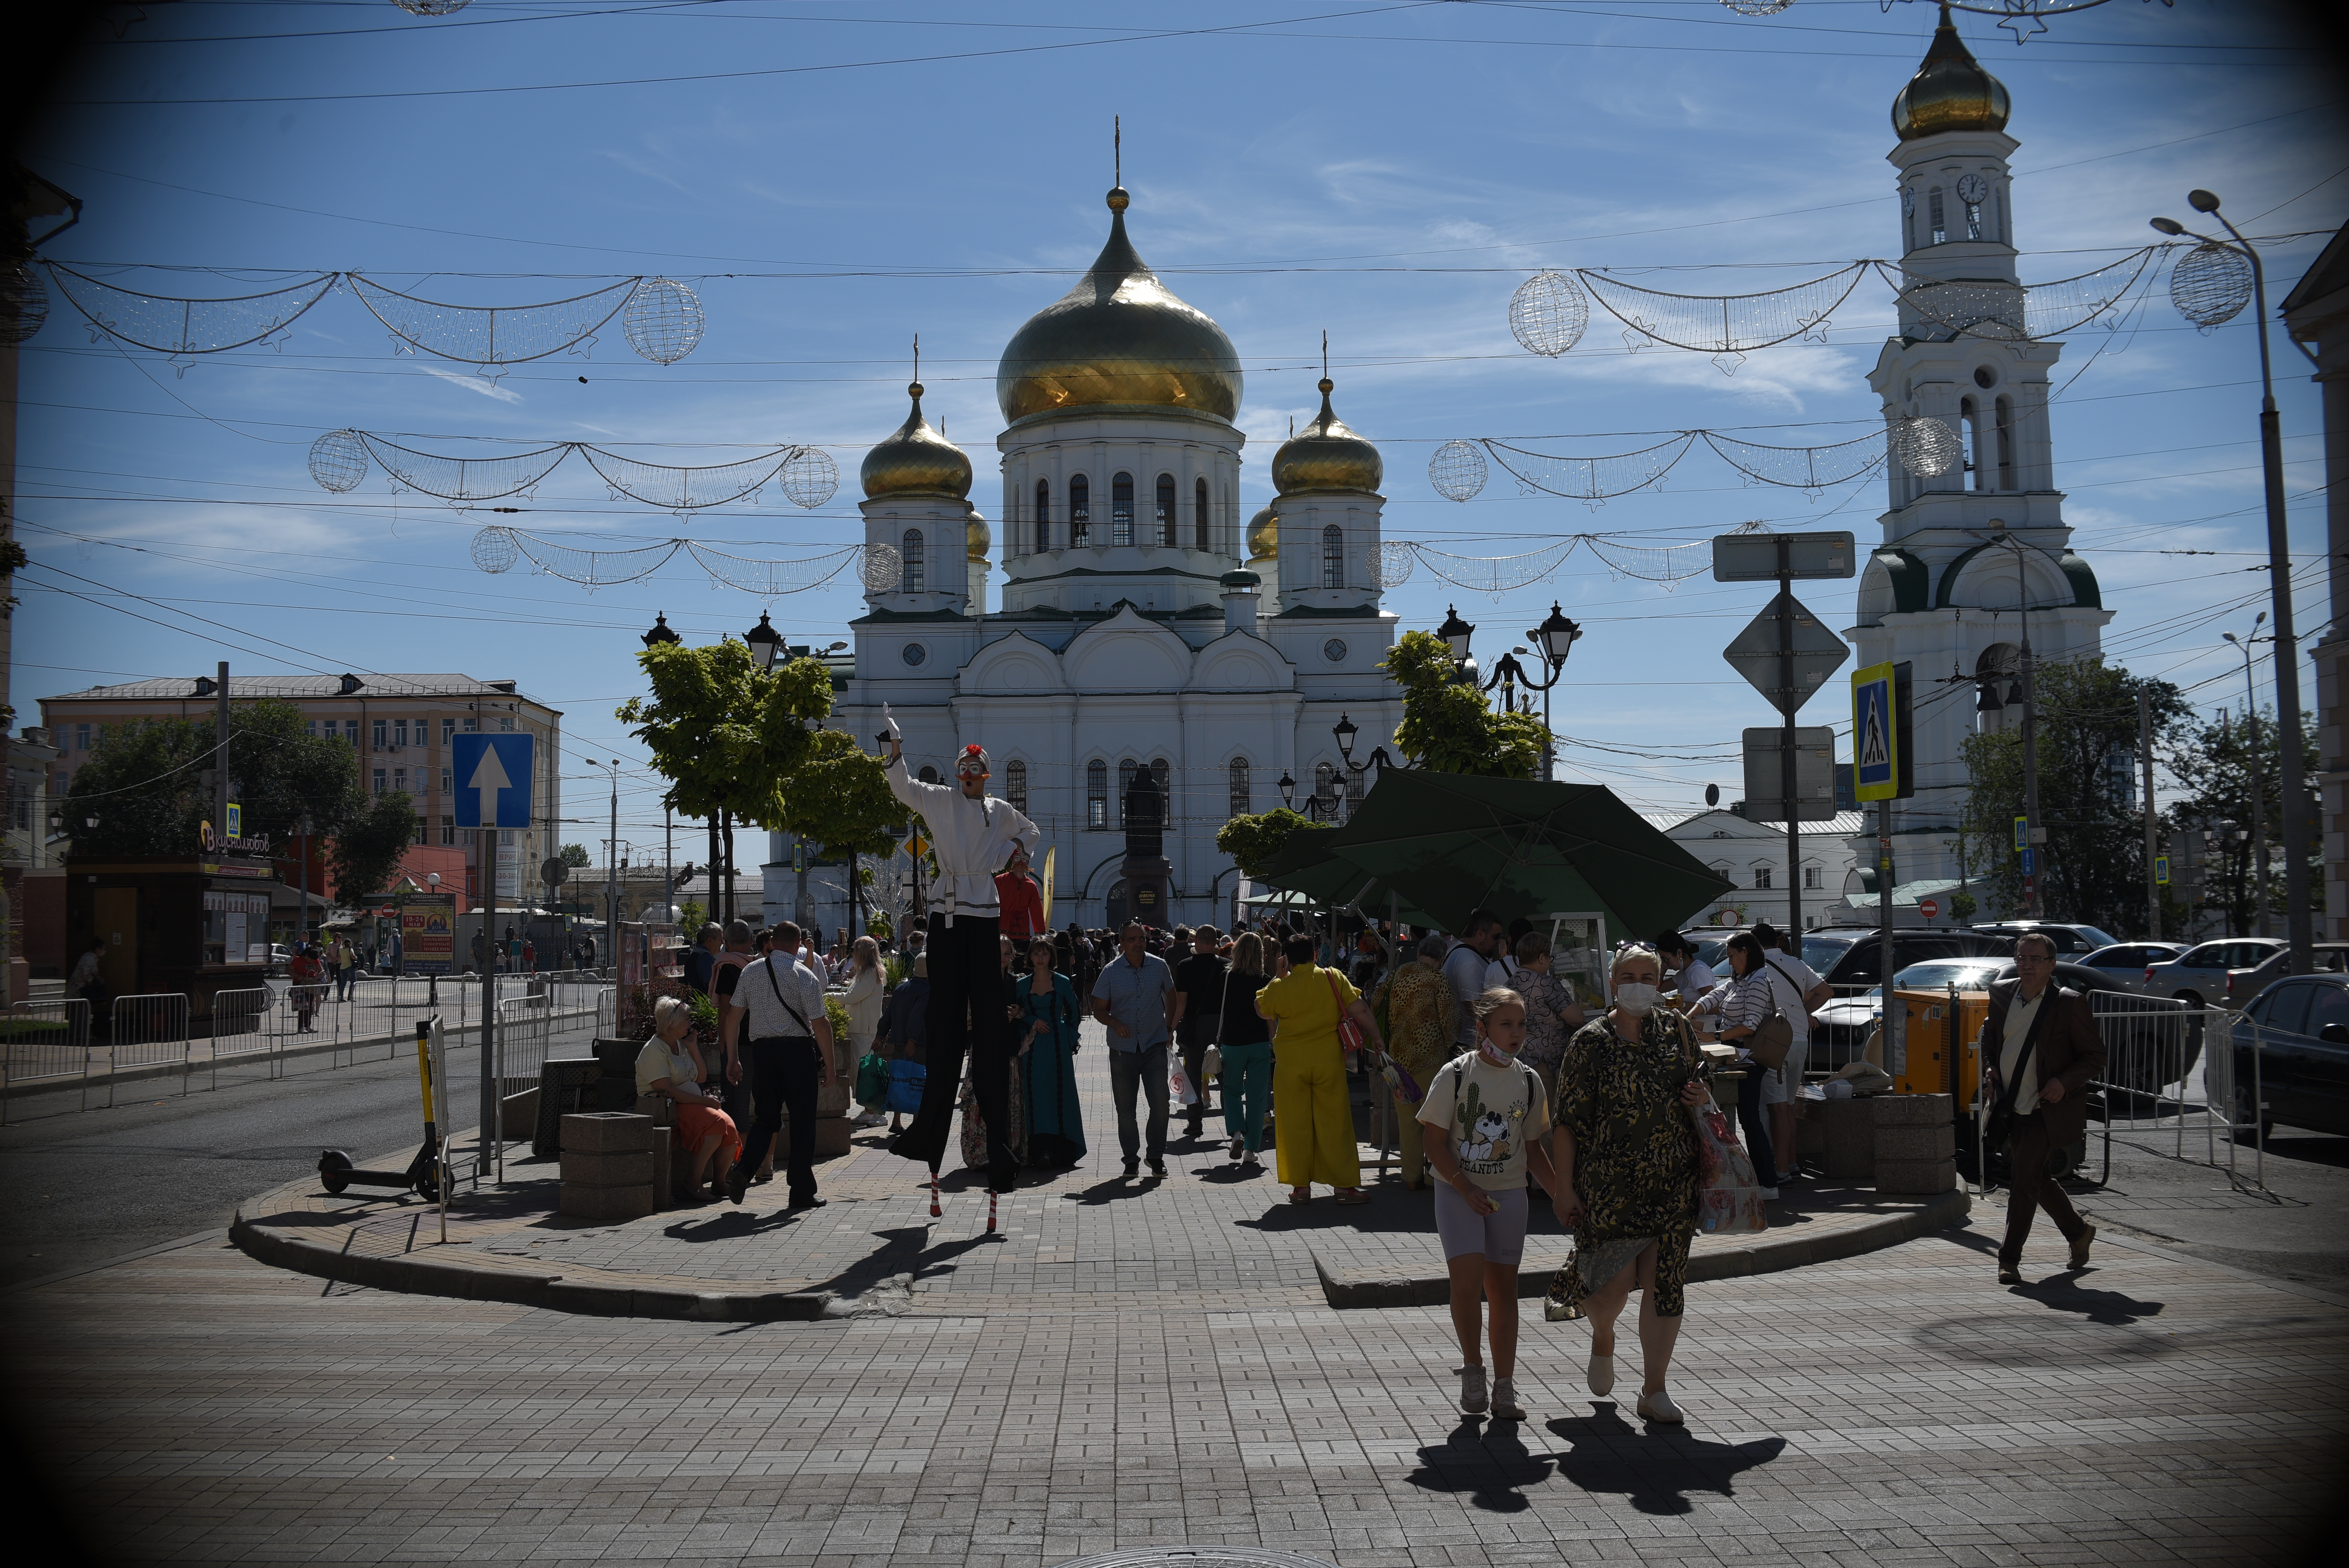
(612, 864)
(2023, 691)
(1554, 638)
(2298, 925)
(2258, 788)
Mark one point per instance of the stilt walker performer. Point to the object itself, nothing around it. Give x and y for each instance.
(973, 836)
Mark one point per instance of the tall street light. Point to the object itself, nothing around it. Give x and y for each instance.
(2259, 789)
(2298, 925)
(1554, 638)
(611, 864)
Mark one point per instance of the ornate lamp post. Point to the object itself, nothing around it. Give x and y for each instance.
(662, 633)
(765, 641)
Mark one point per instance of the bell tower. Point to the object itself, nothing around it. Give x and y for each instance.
(1968, 553)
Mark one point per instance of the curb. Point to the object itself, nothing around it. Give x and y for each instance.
(518, 1287)
(1765, 1255)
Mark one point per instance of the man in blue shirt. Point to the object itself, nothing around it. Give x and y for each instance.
(1134, 995)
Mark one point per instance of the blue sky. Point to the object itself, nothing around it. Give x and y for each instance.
(837, 176)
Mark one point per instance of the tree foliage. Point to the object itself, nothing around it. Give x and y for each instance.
(1450, 726)
(2092, 868)
(1253, 841)
(727, 735)
(574, 856)
(147, 785)
(2212, 764)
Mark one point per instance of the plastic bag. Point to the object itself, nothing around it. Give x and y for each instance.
(1178, 1082)
(872, 1081)
(905, 1082)
(1728, 1197)
(1211, 1065)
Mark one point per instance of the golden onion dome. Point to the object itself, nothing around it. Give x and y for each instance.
(977, 537)
(1264, 535)
(1326, 456)
(1951, 91)
(914, 459)
(1119, 337)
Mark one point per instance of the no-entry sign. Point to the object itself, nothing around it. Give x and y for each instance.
(1929, 907)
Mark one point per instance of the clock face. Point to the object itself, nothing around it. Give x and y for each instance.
(1971, 188)
(1908, 203)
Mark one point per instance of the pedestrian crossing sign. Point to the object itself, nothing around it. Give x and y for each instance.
(1875, 736)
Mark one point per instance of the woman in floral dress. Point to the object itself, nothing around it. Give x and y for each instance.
(1626, 1158)
(1552, 1015)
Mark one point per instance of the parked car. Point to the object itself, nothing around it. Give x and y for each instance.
(1846, 956)
(2215, 973)
(2149, 1047)
(2128, 961)
(2069, 940)
(2299, 1030)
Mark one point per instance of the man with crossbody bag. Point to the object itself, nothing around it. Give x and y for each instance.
(778, 1007)
(2040, 1049)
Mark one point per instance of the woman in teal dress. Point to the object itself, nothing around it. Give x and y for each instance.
(1048, 1034)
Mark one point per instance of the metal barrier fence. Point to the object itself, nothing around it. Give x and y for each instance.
(146, 1030)
(49, 1038)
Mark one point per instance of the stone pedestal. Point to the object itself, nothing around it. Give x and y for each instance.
(1916, 1144)
(607, 1161)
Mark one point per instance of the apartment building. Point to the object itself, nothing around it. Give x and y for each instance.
(401, 725)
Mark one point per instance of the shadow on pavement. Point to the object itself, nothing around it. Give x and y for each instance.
(2063, 1294)
(1654, 1467)
(1486, 1460)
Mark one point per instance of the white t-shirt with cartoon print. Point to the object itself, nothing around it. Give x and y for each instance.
(1490, 1116)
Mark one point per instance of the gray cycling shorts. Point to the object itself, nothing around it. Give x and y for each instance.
(1500, 1235)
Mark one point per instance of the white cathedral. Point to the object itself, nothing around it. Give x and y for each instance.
(1141, 625)
(1970, 555)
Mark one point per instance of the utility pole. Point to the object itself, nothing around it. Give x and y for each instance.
(2152, 845)
(220, 760)
(2258, 784)
(1788, 701)
(2034, 835)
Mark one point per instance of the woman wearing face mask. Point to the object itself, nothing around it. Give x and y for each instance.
(1485, 1117)
(1626, 1158)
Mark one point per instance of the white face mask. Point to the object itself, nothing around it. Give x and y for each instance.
(1637, 998)
(1493, 1053)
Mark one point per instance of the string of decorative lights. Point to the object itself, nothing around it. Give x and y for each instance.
(808, 476)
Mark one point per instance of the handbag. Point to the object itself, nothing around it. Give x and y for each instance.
(1773, 1038)
(1211, 1065)
(1350, 1033)
(872, 1079)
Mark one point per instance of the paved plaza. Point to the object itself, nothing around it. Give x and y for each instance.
(1140, 1364)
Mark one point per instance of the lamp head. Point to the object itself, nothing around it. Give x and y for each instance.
(662, 633)
(2202, 201)
(2228, 635)
(2259, 620)
(1288, 794)
(1557, 636)
(765, 641)
(2170, 226)
(1345, 730)
(1457, 633)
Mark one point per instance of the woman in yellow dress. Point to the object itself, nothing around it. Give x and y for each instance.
(1312, 1121)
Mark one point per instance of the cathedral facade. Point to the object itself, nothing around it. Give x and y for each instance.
(1140, 624)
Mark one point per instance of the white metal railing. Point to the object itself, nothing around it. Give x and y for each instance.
(48, 1038)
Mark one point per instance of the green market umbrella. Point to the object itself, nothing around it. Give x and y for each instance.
(1307, 866)
(1448, 844)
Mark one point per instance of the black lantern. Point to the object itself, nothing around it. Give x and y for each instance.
(1457, 633)
(662, 635)
(1555, 636)
(1345, 730)
(1287, 790)
(765, 641)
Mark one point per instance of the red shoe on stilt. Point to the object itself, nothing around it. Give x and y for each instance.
(990, 1212)
(935, 1210)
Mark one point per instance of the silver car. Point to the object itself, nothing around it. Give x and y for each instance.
(2217, 974)
(2127, 962)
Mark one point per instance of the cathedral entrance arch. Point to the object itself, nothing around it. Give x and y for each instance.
(1117, 910)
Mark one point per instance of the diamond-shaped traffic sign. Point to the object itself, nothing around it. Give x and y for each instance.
(1818, 653)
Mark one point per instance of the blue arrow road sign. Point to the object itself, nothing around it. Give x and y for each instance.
(494, 773)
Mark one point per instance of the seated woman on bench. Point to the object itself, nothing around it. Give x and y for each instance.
(670, 1068)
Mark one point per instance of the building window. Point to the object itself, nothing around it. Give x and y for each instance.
(2003, 408)
(1354, 789)
(1125, 772)
(310, 728)
(1936, 223)
(399, 732)
(448, 781)
(379, 777)
(470, 837)
(1080, 510)
(1043, 515)
(1813, 879)
(1165, 514)
(505, 723)
(382, 732)
(1097, 794)
(1325, 785)
(1970, 436)
(929, 774)
(81, 737)
(1015, 785)
(1120, 510)
(399, 780)
(910, 572)
(447, 829)
(1202, 537)
(448, 729)
(1334, 557)
(423, 828)
(472, 725)
(1762, 876)
(1239, 803)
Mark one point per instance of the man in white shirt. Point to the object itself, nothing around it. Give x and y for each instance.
(972, 836)
(1465, 967)
(1797, 990)
(788, 1041)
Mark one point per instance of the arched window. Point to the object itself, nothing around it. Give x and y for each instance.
(1204, 538)
(1334, 557)
(1080, 510)
(928, 775)
(1125, 772)
(1936, 223)
(1325, 785)
(911, 551)
(2004, 408)
(1120, 510)
(1164, 517)
(1240, 803)
(1043, 515)
(1977, 450)
(1354, 789)
(1015, 785)
(1097, 794)
(1164, 776)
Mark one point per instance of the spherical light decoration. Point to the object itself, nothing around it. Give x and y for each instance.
(881, 567)
(1548, 313)
(1392, 567)
(1757, 7)
(24, 302)
(2210, 285)
(663, 320)
(431, 7)
(810, 477)
(338, 460)
(494, 550)
(1926, 446)
(1457, 471)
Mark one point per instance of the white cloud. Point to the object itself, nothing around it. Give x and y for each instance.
(481, 384)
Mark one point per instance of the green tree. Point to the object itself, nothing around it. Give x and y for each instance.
(147, 785)
(1450, 726)
(1252, 841)
(574, 856)
(2092, 868)
(2212, 765)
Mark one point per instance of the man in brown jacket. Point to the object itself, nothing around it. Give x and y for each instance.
(2051, 1108)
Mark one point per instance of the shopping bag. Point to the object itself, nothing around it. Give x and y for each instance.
(872, 1081)
(1178, 1082)
(1211, 1066)
(905, 1081)
(1728, 1197)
